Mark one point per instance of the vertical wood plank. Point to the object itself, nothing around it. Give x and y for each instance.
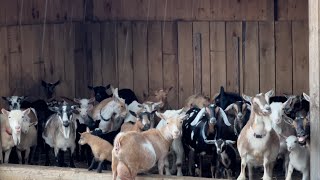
(300, 57)
(59, 48)
(314, 66)
(80, 60)
(204, 30)
(283, 36)
(109, 54)
(234, 56)
(14, 46)
(170, 61)
(251, 60)
(96, 54)
(267, 56)
(155, 56)
(140, 59)
(48, 55)
(125, 65)
(185, 60)
(4, 65)
(30, 45)
(218, 56)
(197, 78)
(70, 76)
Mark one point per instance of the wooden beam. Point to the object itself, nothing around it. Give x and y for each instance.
(314, 84)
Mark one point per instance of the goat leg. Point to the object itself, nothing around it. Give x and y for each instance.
(290, 170)
(26, 156)
(161, 165)
(71, 155)
(166, 166)
(99, 169)
(6, 156)
(33, 154)
(19, 156)
(88, 154)
(47, 151)
(93, 162)
(190, 162)
(242, 175)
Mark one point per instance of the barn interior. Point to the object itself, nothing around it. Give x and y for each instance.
(194, 46)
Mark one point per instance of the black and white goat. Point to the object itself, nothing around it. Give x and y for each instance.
(60, 132)
(224, 99)
(202, 125)
(226, 158)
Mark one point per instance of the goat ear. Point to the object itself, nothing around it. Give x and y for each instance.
(92, 100)
(269, 94)
(90, 87)
(247, 98)
(288, 102)
(54, 109)
(87, 130)
(167, 90)
(115, 92)
(221, 90)
(161, 115)
(133, 113)
(306, 97)
(76, 100)
(5, 98)
(57, 83)
(5, 112)
(26, 112)
(43, 83)
(108, 86)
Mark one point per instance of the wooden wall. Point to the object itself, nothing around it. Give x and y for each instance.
(252, 47)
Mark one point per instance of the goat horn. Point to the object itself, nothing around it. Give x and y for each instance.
(209, 141)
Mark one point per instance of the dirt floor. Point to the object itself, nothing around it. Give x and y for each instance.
(258, 172)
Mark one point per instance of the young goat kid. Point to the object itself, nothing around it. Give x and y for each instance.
(299, 158)
(101, 149)
(136, 152)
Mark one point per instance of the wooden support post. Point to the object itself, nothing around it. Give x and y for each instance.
(314, 81)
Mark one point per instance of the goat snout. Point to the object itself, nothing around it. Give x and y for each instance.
(18, 128)
(146, 127)
(65, 124)
(239, 115)
(176, 133)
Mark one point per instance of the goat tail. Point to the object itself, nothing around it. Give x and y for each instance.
(117, 143)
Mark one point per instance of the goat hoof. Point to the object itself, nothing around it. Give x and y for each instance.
(99, 171)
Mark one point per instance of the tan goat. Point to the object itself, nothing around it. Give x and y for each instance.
(136, 152)
(101, 149)
(196, 100)
(258, 144)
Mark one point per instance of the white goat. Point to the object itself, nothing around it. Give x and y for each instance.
(6, 138)
(282, 128)
(24, 132)
(299, 158)
(176, 147)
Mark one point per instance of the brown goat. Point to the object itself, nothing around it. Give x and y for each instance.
(136, 152)
(197, 100)
(101, 149)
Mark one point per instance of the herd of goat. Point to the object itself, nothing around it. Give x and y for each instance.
(234, 132)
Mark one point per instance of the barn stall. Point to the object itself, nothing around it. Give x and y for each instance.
(194, 46)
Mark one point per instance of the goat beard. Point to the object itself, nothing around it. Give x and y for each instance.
(16, 138)
(66, 132)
